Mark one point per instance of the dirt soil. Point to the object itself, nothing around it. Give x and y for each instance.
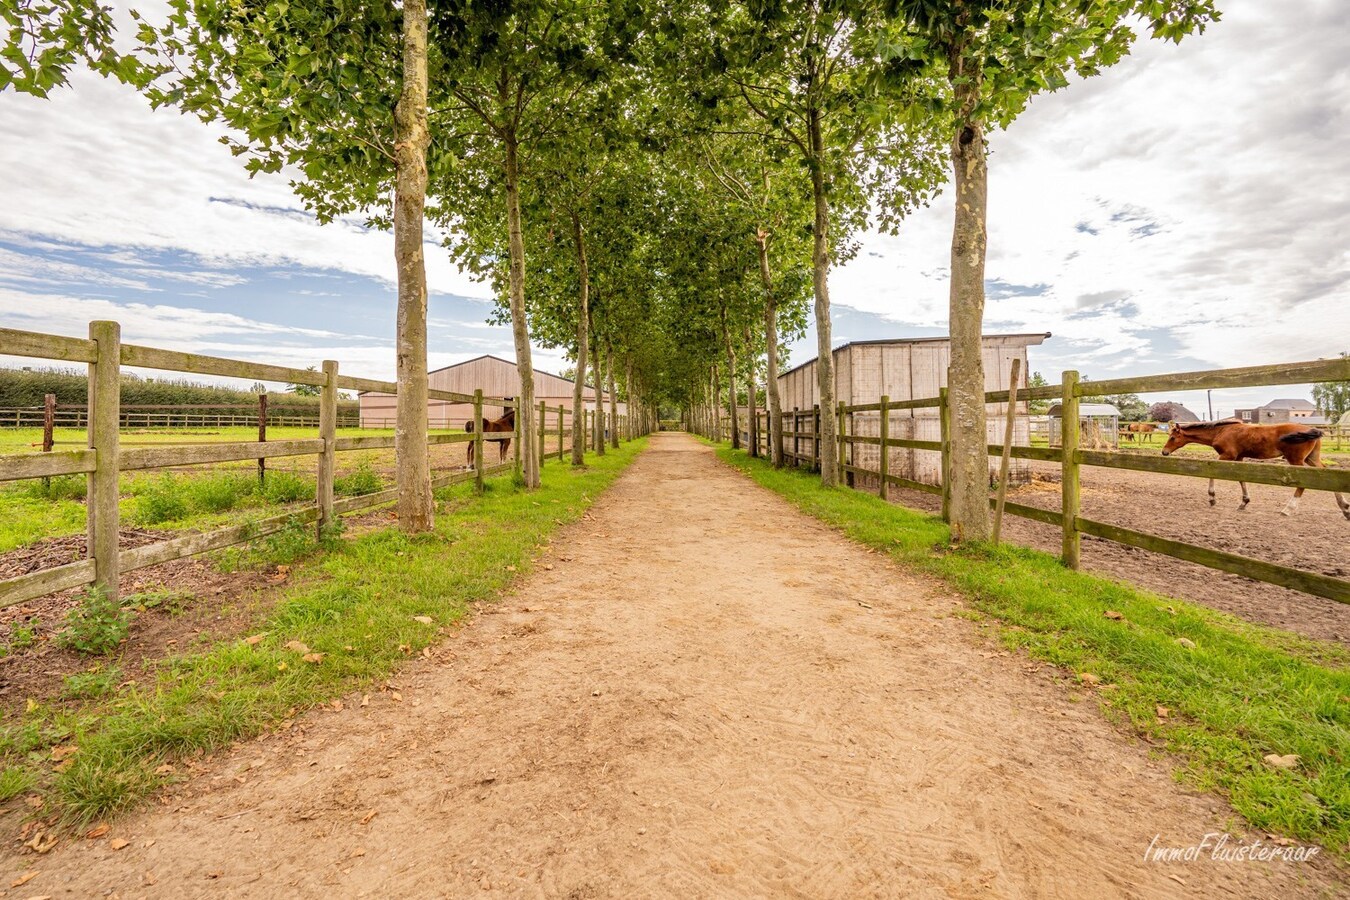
(1316, 539)
(699, 692)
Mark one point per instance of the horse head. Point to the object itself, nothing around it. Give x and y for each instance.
(1177, 438)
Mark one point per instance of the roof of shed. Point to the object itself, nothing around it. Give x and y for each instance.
(1034, 337)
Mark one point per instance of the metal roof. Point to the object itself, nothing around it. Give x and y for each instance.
(1039, 336)
(1085, 409)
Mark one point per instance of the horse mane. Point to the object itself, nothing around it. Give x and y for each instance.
(1219, 423)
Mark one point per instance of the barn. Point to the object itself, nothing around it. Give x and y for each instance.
(911, 369)
(496, 376)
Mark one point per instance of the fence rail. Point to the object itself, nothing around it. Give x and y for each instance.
(1071, 458)
(105, 457)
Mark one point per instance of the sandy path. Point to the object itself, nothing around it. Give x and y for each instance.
(687, 705)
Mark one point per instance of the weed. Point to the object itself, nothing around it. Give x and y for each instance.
(91, 685)
(286, 487)
(175, 603)
(61, 487)
(360, 481)
(22, 635)
(160, 501)
(219, 492)
(97, 626)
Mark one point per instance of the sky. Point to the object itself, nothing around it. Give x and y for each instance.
(1189, 209)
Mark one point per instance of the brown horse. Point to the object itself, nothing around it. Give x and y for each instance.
(506, 423)
(1299, 445)
(1130, 429)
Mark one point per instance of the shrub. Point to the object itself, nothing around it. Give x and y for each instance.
(360, 481)
(287, 487)
(160, 501)
(97, 626)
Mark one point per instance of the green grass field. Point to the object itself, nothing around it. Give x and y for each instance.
(362, 604)
(1233, 692)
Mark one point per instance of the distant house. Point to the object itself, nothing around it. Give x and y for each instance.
(496, 376)
(1277, 411)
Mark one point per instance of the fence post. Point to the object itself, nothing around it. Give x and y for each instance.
(1004, 466)
(560, 433)
(843, 443)
(262, 434)
(796, 439)
(815, 437)
(478, 440)
(328, 434)
(883, 489)
(543, 430)
(944, 429)
(105, 378)
(1069, 485)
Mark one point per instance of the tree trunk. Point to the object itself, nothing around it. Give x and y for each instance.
(598, 422)
(613, 398)
(969, 514)
(716, 404)
(520, 329)
(415, 506)
(731, 383)
(820, 264)
(751, 412)
(771, 394)
(583, 320)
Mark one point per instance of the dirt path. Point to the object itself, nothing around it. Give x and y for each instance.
(687, 705)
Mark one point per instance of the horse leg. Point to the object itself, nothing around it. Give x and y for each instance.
(1315, 460)
(1245, 499)
(1211, 492)
(502, 448)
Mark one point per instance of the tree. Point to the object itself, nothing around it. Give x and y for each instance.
(1038, 407)
(815, 76)
(336, 91)
(513, 73)
(993, 57)
(1165, 411)
(1333, 397)
(44, 39)
(302, 390)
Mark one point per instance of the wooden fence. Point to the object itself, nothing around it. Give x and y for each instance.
(191, 415)
(801, 447)
(104, 458)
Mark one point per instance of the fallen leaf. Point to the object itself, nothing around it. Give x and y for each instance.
(61, 752)
(297, 647)
(281, 667)
(365, 700)
(337, 706)
(313, 657)
(253, 640)
(97, 831)
(1288, 761)
(1163, 712)
(548, 567)
(510, 568)
(396, 696)
(1187, 643)
(165, 769)
(42, 842)
(359, 851)
(118, 844)
(1089, 678)
(425, 620)
(1112, 614)
(24, 878)
(149, 878)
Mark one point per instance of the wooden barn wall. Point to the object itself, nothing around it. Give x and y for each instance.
(908, 371)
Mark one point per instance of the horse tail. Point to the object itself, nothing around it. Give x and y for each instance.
(1301, 437)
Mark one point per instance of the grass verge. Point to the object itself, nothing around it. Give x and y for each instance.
(1230, 693)
(354, 613)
